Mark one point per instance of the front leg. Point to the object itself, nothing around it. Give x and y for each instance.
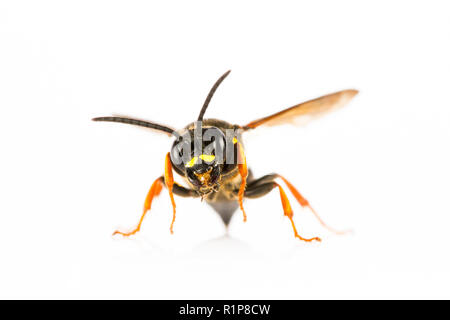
(243, 172)
(155, 190)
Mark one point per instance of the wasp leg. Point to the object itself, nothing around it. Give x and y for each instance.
(155, 190)
(168, 180)
(243, 171)
(301, 200)
(263, 180)
(261, 187)
(304, 203)
(184, 192)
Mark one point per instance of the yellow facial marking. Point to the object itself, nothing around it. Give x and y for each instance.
(204, 157)
(208, 157)
(191, 163)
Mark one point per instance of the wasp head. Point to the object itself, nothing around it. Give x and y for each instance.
(198, 154)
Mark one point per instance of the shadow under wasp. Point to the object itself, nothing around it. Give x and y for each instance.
(222, 177)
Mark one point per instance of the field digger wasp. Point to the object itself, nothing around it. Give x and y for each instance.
(209, 155)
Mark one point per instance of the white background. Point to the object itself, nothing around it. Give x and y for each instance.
(379, 166)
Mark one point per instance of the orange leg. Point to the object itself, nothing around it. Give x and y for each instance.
(304, 203)
(168, 179)
(154, 191)
(243, 171)
(289, 213)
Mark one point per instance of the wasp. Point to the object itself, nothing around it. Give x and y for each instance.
(209, 155)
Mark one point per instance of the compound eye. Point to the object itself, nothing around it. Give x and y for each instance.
(179, 154)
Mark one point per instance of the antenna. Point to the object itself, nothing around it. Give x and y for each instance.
(211, 93)
(136, 122)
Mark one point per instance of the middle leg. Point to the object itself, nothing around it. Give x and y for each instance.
(263, 186)
(301, 200)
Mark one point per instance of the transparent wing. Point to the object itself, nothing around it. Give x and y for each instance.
(301, 113)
